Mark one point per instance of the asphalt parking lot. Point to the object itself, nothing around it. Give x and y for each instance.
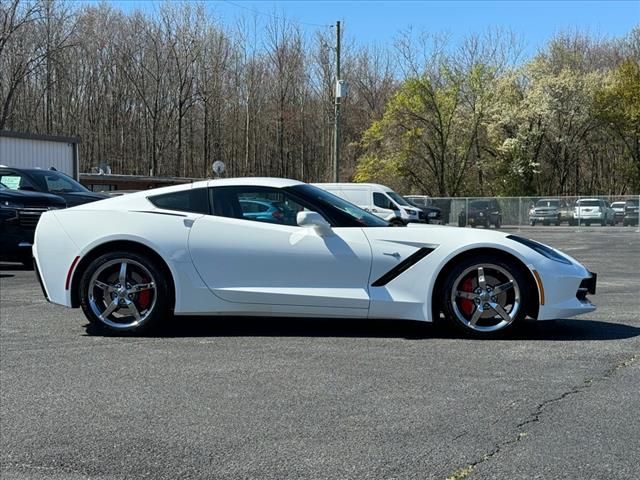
(274, 398)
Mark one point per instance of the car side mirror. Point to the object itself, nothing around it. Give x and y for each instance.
(314, 220)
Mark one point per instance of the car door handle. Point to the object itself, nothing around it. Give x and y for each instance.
(395, 255)
(374, 210)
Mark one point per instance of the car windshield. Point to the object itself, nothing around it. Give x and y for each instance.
(324, 199)
(479, 204)
(56, 182)
(588, 203)
(632, 203)
(397, 198)
(617, 205)
(548, 203)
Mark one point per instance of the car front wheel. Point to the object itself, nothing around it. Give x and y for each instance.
(486, 295)
(124, 292)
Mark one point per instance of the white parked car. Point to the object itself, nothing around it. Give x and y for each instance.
(377, 199)
(593, 210)
(131, 261)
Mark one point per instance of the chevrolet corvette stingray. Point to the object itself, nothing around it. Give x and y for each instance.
(277, 247)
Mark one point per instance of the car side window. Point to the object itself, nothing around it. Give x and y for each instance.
(258, 204)
(195, 200)
(11, 180)
(381, 200)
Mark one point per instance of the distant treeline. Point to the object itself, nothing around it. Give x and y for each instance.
(169, 92)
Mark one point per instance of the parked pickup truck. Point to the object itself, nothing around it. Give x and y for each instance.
(550, 211)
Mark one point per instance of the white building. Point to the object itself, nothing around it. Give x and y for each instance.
(28, 150)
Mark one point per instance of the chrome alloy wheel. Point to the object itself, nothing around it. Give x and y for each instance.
(485, 298)
(122, 293)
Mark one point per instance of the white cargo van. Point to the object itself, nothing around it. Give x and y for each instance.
(377, 199)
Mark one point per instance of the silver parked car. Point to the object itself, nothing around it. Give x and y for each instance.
(618, 210)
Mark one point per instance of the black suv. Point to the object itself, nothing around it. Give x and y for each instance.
(481, 212)
(428, 213)
(48, 181)
(19, 215)
(631, 209)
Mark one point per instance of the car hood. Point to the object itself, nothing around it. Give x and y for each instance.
(456, 240)
(29, 198)
(80, 198)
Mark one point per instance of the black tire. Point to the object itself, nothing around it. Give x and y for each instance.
(522, 290)
(140, 265)
(498, 223)
(27, 263)
(558, 221)
(588, 224)
(532, 223)
(486, 223)
(462, 222)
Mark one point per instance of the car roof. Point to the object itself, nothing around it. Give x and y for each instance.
(355, 184)
(131, 198)
(29, 170)
(255, 182)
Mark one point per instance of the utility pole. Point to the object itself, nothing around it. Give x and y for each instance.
(336, 118)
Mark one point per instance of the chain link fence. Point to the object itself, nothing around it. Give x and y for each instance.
(516, 212)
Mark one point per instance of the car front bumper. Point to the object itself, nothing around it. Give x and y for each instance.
(566, 294)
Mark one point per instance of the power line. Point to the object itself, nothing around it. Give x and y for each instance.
(258, 12)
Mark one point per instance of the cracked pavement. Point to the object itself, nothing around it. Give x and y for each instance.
(273, 398)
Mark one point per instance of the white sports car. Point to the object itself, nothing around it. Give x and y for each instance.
(276, 247)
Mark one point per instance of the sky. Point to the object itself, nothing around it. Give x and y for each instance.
(367, 22)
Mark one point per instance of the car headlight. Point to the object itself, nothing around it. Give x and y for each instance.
(541, 248)
(10, 204)
(481, 214)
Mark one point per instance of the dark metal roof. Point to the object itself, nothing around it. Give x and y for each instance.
(38, 136)
(137, 178)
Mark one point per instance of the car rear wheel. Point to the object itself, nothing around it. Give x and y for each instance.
(124, 292)
(486, 295)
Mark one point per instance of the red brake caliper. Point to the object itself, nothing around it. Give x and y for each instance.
(144, 297)
(466, 305)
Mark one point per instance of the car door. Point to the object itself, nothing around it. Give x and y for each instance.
(272, 261)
